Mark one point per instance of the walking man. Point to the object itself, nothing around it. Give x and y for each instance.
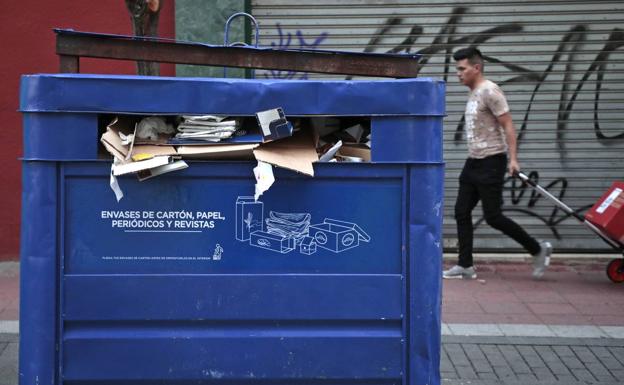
(491, 137)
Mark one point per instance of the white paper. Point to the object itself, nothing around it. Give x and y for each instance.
(607, 202)
(264, 178)
(152, 172)
(329, 155)
(113, 182)
(130, 167)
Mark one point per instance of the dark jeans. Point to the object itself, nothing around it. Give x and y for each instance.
(482, 179)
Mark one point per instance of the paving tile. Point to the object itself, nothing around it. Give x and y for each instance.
(607, 320)
(531, 357)
(461, 307)
(449, 375)
(457, 355)
(494, 355)
(583, 375)
(497, 297)
(524, 330)
(446, 365)
(466, 372)
(526, 378)
(515, 360)
(8, 364)
(613, 331)
(543, 374)
(9, 314)
(552, 308)
(504, 307)
(487, 376)
(589, 297)
(540, 296)
(599, 309)
(598, 370)
(468, 318)
(565, 319)
(565, 351)
(504, 372)
(577, 331)
(475, 329)
(9, 327)
(572, 362)
(477, 358)
(618, 353)
(584, 354)
(619, 374)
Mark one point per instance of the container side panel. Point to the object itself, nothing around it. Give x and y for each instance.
(425, 271)
(163, 95)
(229, 287)
(232, 297)
(60, 136)
(38, 274)
(183, 224)
(407, 139)
(242, 359)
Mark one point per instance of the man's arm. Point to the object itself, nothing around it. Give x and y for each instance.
(510, 135)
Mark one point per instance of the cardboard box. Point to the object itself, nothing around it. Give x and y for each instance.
(272, 242)
(608, 212)
(218, 151)
(112, 141)
(307, 246)
(337, 236)
(249, 217)
(353, 152)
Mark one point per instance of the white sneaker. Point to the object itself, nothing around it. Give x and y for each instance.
(542, 259)
(457, 272)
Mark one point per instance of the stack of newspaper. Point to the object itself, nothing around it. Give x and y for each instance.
(208, 128)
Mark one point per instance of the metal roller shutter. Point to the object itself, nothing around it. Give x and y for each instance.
(561, 64)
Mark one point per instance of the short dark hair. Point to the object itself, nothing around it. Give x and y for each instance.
(473, 55)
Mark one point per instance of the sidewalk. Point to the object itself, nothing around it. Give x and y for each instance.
(506, 328)
(575, 292)
(503, 328)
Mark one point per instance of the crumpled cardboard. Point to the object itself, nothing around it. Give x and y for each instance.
(296, 153)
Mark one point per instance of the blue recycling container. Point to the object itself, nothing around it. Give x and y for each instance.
(183, 281)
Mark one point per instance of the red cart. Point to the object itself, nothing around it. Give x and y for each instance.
(605, 218)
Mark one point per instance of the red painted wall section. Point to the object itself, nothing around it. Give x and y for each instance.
(28, 46)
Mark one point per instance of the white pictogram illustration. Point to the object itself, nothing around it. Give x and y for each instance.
(218, 252)
(284, 232)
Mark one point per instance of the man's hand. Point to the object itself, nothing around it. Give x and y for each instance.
(514, 167)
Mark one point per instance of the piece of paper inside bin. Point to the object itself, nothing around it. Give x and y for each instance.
(114, 142)
(207, 128)
(329, 155)
(264, 178)
(114, 184)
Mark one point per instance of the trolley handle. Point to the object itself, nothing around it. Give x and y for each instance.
(568, 210)
(549, 196)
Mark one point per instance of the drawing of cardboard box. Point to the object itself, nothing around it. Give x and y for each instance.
(249, 217)
(307, 246)
(272, 242)
(337, 236)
